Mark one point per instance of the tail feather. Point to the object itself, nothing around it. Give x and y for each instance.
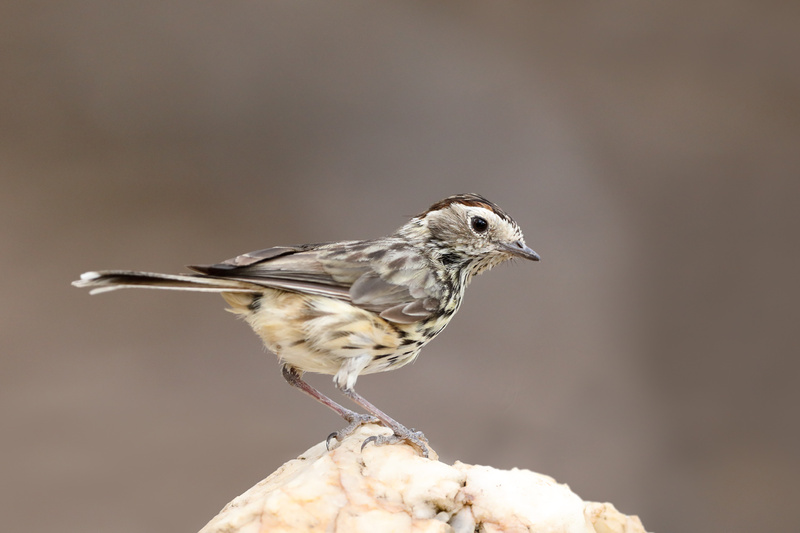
(111, 280)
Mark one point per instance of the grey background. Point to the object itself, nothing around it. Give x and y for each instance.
(649, 151)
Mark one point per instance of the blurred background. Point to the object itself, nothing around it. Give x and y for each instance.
(650, 152)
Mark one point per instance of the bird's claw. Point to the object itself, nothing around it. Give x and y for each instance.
(356, 421)
(415, 438)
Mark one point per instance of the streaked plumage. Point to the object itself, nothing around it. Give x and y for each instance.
(354, 307)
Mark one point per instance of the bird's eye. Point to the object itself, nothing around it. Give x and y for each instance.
(479, 224)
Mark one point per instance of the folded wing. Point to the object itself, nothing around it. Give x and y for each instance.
(389, 280)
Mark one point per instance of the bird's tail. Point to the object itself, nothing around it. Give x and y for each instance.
(111, 280)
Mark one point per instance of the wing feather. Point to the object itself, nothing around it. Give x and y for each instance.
(386, 278)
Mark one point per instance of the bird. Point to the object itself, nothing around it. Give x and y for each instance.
(349, 308)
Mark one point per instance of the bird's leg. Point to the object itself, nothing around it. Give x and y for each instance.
(401, 433)
(294, 378)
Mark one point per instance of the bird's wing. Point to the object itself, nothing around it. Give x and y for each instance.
(292, 268)
(387, 280)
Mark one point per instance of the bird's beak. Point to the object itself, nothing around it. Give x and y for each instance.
(519, 249)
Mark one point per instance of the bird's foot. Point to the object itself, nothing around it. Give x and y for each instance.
(356, 420)
(401, 434)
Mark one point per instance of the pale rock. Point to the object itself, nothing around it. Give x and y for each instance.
(385, 489)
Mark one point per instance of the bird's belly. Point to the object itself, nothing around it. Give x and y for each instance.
(319, 334)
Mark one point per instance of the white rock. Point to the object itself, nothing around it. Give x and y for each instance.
(388, 489)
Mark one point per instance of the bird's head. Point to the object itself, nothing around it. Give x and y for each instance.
(469, 230)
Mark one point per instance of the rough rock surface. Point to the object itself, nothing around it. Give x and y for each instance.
(392, 489)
